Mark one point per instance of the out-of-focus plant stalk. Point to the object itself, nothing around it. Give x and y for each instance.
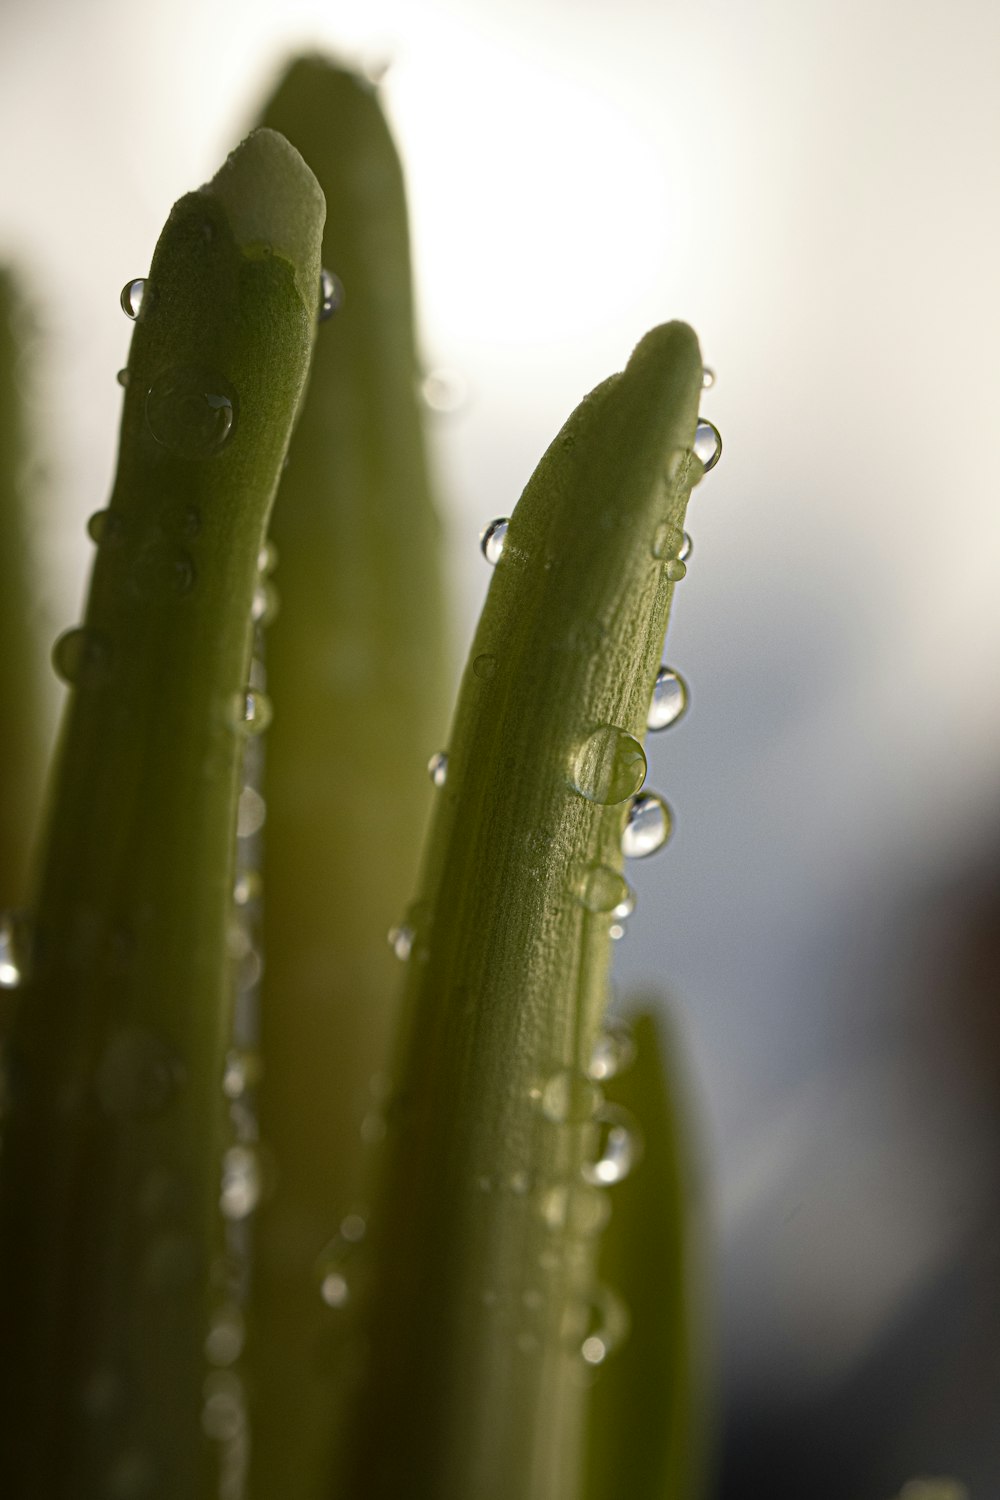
(647, 1423)
(355, 660)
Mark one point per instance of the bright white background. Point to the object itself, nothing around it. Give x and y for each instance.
(812, 185)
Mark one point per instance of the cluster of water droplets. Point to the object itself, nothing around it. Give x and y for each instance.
(574, 1207)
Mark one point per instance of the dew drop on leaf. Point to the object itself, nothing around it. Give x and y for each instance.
(669, 700)
(331, 295)
(648, 827)
(609, 766)
(707, 444)
(494, 539)
(437, 767)
(132, 295)
(191, 411)
(615, 1147)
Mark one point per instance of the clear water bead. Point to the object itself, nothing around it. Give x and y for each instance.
(132, 295)
(615, 1148)
(597, 1325)
(191, 411)
(485, 666)
(609, 767)
(707, 444)
(251, 812)
(437, 767)
(122, 378)
(334, 1262)
(252, 711)
(225, 1337)
(401, 940)
(575, 1208)
(331, 294)
(602, 890)
(707, 378)
(105, 526)
(82, 658)
(669, 700)
(648, 827)
(567, 1098)
(240, 1190)
(687, 547)
(14, 937)
(444, 390)
(493, 540)
(614, 1051)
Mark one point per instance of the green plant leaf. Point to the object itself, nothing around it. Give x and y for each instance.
(482, 1264)
(355, 661)
(110, 1221)
(647, 1420)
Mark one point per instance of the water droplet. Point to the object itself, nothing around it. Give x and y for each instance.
(674, 570)
(597, 1325)
(333, 1268)
(485, 666)
(226, 1334)
(105, 526)
(493, 539)
(687, 547)
(610, 766)
(251, 811)
(132, 295)
(138, 1074)
(707, 378)
(566, 1097)
(82, 657)
(240, 1190)
(331, 294)
(648, 827)
(191, 411)
(247, 888)
(437, 767)
(353, 1228)
(122, 378)
(251, 711)
(267, 558)
(603, 890)
(15, 937)
(223, 1413)
(615, 1147)
(614, 1050)
(242, 1071)
(444, 390)
(707, 444)
(669, 700)
(400, 940)
(160, 567)
(578, 1209)
(264, 605)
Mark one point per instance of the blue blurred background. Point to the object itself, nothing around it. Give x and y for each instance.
(812, 185)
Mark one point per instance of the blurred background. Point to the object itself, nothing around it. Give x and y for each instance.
(814, 187)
